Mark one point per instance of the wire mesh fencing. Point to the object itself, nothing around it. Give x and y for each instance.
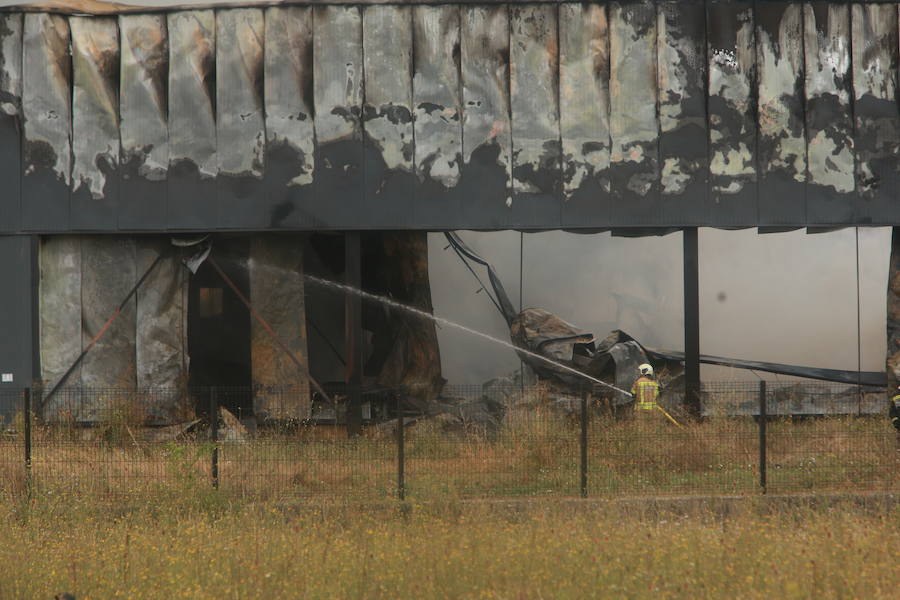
(498, 440)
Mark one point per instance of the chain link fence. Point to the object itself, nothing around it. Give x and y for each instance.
(498, 440)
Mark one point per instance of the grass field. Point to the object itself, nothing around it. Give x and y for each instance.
(535, 454)
(206, 547)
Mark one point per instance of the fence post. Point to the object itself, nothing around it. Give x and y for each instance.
(26, 415)
(763, 417)
(401, 452)
(214, 435)
(584, 441)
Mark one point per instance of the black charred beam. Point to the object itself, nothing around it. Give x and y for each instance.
(691, 322)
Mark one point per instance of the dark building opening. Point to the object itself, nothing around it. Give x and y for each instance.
(219, 328)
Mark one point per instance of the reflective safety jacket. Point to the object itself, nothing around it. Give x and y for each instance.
(646, 391)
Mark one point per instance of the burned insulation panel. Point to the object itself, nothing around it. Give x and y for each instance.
(143, 121)
(637, 113)
(290, 135)
(437, 150)
(487, 132)
(584, 112)
(634, 123)
(191, 193)
(387, 113)
(280, 387)
(95, 123)
(731, 45)
(682, 69)
(47, 115)
(828, 113)
(10, 118)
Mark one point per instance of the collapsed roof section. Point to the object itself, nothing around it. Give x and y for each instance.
(450, 116)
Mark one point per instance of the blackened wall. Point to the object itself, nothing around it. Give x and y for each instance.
(17, 297)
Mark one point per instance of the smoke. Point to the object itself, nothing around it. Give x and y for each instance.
(786, 297)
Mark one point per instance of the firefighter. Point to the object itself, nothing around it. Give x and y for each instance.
(645, 391)
(895, 410)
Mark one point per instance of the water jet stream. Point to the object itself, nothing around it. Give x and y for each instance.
(347, 289)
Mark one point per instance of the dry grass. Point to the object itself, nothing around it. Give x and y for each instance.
(169, 550)
(535, 453)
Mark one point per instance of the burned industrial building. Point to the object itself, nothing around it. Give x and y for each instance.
(326, 138)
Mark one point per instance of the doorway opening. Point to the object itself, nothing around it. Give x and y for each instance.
(219, 330)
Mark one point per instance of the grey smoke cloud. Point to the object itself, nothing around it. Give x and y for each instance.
(787, 297)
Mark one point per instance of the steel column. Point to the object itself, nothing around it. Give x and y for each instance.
(691, 322)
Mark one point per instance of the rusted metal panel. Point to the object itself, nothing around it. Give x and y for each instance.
(338, 92)
(877, 136)
(281, 390)
(59, 313)
(95, 123)
(438, 112)
(584, 113)
(387, 114)
(191, 193)
(161, 359)
(10, 118)
(47, 112)
(732, 112)
(683, 142)
(107, 275)
(534, 98)
(143, 121)
(829, 116)
(782, 133)
(240, 121)
(485, 186)
(290, 135)
(634, 123)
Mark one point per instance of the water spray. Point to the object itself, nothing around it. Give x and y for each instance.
(442, 321)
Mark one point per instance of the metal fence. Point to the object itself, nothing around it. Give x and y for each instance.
(499, 440)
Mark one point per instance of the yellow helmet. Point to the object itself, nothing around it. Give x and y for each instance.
(645, 369)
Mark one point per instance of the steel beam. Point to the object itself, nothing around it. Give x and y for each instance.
(691, 322)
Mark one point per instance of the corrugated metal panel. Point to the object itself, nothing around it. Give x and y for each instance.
(161, 360)
(438, 122)
(281, 390)
(95, 123)
(683, 147)
(692, 112)
(634, 124)
(732, 113)
(240, 121)
(47, 111)
(10, 119)
(584, 113)
(60, 312)
(877, 135)
(107, 275)
(829, 117)
(290, 135)
(338, 76)
(143, 121)
(534, 98)
(782, 133)
(191, 196)
(387, 114)
(486, 178)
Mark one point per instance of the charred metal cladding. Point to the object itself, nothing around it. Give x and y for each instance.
(443, 115)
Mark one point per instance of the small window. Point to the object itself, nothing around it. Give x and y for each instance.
(210, 303)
